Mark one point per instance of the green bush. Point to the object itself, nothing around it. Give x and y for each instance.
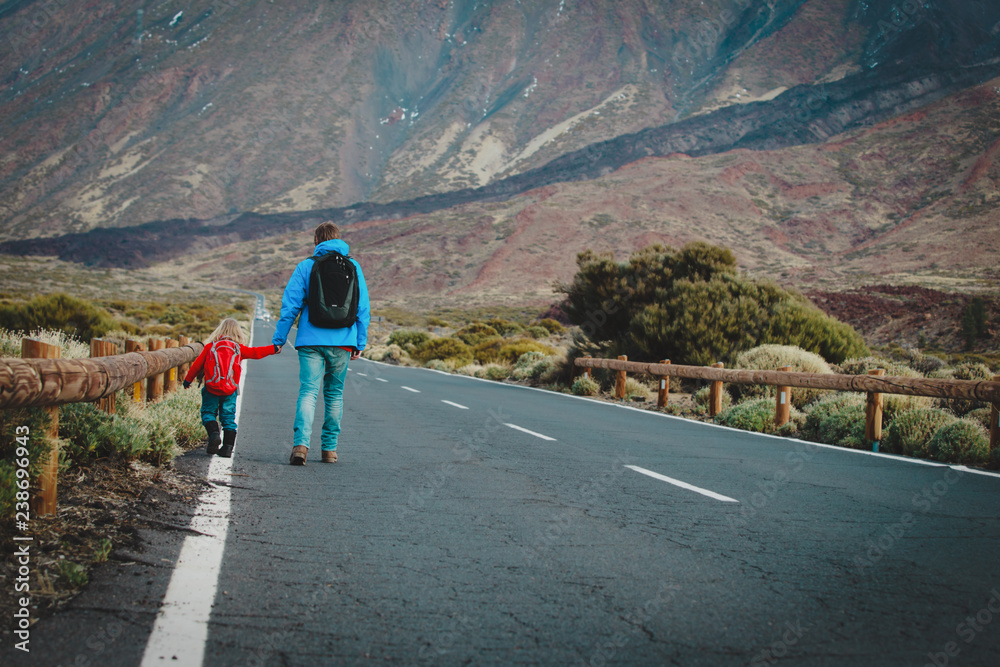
(552, 326)
(37, 422)
(476, 333)
(504, 327)
(390, 354)
(911, 431)
(450, 350)
(961, 441)
(755, 415)
(692, 307)
(981, 416)
(80, 428)
(61, 312)
(775, 357)
(494, 372)
(180, 414)
(537, 332)
(838, 419)
(511, 351)
(585, 386)
(634, 389)
(702, 396)
(408, 339)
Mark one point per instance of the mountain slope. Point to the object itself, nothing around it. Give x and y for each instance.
(128, 112)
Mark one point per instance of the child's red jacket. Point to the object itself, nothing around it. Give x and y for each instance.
(245, 353)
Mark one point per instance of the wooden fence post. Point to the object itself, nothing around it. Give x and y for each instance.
(620, 380)
(995, 421)
(664, 394)
(99, 347)
(45, 501)
(154, 384)
(183, 368)
(873, 414)
(783, 405)
(715, 394)
(586, 371)
(139, 388)
(170, 377)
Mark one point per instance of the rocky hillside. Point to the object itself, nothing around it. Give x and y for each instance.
(123, 113)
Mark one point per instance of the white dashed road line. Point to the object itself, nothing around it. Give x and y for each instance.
(524, 430)
(683, 485)
(415, 391)
(454, 404)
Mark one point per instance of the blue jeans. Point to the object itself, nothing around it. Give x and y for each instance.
(326, 365)
(222, 406)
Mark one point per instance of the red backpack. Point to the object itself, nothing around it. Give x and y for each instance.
(220, 364)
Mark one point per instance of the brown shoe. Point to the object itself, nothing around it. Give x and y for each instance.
(298, 455)
(329, 456)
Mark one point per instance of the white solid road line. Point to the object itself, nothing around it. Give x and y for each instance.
(180, 632)
(454, 404)
(524, 430)
(415, 391)
(683, 485)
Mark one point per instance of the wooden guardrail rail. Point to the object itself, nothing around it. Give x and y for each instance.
(874, 385)
(52, 382)
(42, 379)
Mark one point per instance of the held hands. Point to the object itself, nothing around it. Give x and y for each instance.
(277, 349)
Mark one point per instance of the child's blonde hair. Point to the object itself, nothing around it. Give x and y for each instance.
(228, 328)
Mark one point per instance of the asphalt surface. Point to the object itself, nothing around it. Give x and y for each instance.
(446, 536)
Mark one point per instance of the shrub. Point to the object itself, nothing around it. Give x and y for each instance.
(892, 404)
(80, 427)
(703, 395)
(585, 386)
(961, 441)
(552, 326)
(57, 311)
(450, 350)
(39, 444)
(392, 354)
(634, 389)
(537, 332)
(911, 431)
(488, 351)
(755, 415)
(408, 339)
(981, 416)
(967, 371)
(504, 327)
(476, 333)
(180, 414)
(438, 365)
(510, 351)
(71, 346)
(774, 357)
(838, 419)
(494, 372)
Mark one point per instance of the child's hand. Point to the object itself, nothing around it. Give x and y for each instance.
(187, 384)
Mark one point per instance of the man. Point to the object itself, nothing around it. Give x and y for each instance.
(323, 353)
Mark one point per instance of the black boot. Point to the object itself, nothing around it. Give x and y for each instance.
(228, 440)
(214, 437)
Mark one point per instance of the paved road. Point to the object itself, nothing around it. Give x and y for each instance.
(474, 522)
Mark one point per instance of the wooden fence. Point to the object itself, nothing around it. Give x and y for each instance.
(875, 384)
(42, 379)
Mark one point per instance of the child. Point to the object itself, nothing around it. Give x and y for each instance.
(220, 361)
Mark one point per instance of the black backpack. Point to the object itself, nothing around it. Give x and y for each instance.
(333, 291)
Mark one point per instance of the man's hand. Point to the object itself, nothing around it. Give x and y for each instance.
(355, 354)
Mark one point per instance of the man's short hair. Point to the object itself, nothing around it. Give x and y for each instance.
(326, 232)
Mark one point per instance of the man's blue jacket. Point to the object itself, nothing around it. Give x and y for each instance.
(295, 301)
